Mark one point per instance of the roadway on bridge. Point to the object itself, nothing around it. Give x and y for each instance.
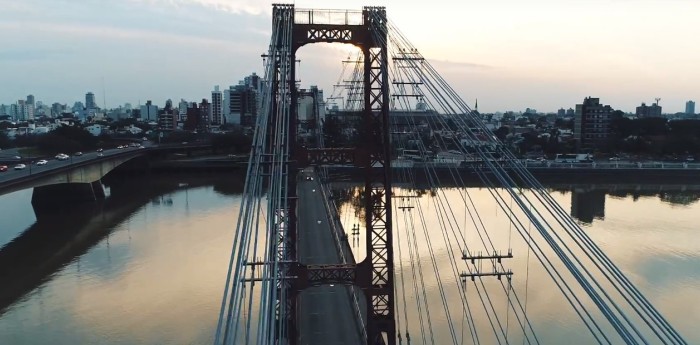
(326, 313)
(32, 168)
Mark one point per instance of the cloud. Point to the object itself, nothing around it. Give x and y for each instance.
(460, 64)
(254, 7)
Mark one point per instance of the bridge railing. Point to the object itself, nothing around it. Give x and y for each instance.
(328, 17)
(615, 165)
(346, 255)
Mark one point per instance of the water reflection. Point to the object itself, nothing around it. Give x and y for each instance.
(147, 266)
(588, 201)
(133, 269)
(586, 205)
(642, 228)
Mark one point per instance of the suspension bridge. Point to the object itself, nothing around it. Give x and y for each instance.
(293, 278)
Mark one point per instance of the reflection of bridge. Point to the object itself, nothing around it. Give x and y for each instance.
(285, 270)
(56, 238)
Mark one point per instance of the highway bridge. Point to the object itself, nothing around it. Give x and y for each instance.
(77, 177)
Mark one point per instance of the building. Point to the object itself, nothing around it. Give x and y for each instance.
(217, 107)
(149, 112)
(192, 117)
(57, 109)
(95, 129)
(13, 111)
(30, 99)
(182, 106)
(690, 108)
(90, 101)
(167, 117)
(253, 81)
(78, 110)
(25, 110)
(644, 111)
(204, 111)
(242, 105)
(591, 124)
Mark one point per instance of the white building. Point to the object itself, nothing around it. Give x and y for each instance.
(216, 111)
(95, 129)
(182, 107)
(25, 110)
(41, 130)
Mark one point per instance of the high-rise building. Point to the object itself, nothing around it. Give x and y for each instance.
(204, 111)
(14, 111)
(253, 81)
(90, 101)
(4, 110)
(217, 107)
(25, 110)
(149, 112)
(592, 124)
(690, 108)
(57, 109)
(30, 99)
(192, 117)
(644, 111)
(182, 106)
(242, 105)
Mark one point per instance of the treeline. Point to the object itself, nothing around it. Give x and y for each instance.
(655, 136)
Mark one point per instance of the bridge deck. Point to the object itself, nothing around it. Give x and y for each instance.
(326, 313)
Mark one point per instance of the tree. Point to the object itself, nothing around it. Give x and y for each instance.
(5, 142)
(66, 139)
(332, 132)
(502, 132)
(235, 141)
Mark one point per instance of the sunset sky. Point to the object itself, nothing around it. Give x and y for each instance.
(510, 54)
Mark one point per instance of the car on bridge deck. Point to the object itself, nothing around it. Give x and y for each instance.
(42, 162)
(78, 154)
(3, 168)
(20, 167)
(62, 156)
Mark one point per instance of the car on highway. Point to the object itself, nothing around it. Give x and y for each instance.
(42, 162)
(62, 156)
(99, 150)
(20, 166)
(78, 154)
(3, 168)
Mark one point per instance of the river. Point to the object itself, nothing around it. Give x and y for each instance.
(147, 265)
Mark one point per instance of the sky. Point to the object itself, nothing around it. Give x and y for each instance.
(508, 54)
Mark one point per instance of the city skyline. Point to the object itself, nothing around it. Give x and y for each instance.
(544, 55)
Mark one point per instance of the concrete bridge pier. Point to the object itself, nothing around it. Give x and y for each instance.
(57, 196)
